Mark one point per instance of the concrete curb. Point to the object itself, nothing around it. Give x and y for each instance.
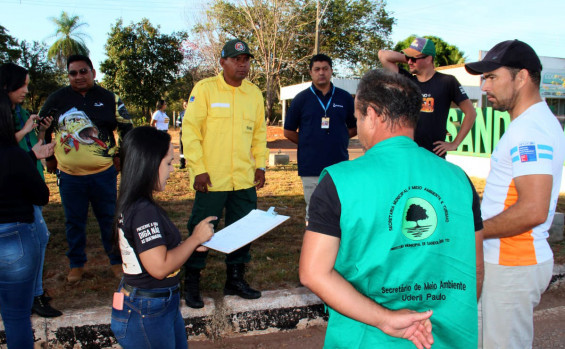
(229, 316)
(226, 317)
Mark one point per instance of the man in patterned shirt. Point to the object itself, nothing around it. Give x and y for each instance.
(86, 156)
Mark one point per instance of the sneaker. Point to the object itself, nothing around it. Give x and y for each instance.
(117, 270)
(42, 308)
(75, 275)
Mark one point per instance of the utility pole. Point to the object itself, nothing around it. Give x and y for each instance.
(317, 27)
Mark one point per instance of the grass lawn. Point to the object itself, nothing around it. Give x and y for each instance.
(275, 255)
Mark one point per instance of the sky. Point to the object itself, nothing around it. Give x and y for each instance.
(471, 25)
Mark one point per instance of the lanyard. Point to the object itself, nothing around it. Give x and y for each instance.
(22, 124)
(322, 104)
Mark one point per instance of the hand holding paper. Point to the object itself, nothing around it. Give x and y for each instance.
(245, 230)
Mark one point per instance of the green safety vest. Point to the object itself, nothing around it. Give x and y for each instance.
(407, 241)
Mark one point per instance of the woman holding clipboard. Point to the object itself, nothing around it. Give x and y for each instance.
(145, 312)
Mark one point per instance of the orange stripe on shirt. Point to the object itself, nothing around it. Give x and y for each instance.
(518, 249)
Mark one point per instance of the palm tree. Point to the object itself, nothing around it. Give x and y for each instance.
(69, 40)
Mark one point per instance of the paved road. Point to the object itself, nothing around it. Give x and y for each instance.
(549, 321)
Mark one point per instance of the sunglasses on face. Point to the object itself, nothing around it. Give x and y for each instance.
(414, 59)
(82, 71)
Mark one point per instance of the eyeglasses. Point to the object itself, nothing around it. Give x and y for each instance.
(82, 71)
(414, 59)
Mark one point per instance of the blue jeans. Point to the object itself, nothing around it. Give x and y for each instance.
(77, 192)
(150, 322)
(19, 262)
(43, 236)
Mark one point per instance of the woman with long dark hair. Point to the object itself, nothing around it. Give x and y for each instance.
(145, 312)
(30, 130)
(21, 187)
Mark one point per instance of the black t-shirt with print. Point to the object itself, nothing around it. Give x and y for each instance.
(145, 226)
(437, 95)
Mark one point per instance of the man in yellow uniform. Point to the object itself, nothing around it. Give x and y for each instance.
(225, 146)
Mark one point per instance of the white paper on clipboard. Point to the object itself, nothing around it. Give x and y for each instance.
(245, 230)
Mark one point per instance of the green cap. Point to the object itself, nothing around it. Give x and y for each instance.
(421, 46)
(235, 48)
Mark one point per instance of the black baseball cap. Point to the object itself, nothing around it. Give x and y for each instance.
(235, 48)
(510, 53)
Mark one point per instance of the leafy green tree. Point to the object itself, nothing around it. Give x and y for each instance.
(9, 50)
(69, 39)
(142, 63)
(353, 32)
(44, 75)
(446, 54)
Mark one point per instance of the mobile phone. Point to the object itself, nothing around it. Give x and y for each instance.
(51, 112)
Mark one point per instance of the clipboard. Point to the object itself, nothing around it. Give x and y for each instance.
(249, 228)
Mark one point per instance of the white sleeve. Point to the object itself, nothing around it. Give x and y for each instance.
(531, 152)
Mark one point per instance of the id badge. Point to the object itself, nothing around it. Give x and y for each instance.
(325, 123)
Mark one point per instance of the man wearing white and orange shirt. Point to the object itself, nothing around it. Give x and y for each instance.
(520, 195)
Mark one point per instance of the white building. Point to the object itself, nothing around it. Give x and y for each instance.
(552, 83)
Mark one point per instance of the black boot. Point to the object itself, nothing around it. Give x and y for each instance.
(192, 288)
(236, 285)
(182, 163)
(42, 308)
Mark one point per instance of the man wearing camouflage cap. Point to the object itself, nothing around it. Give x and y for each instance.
(438, 92)
(225, 147)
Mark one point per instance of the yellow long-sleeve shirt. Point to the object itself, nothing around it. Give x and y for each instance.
(224, 133)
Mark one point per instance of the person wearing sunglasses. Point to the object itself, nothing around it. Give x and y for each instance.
(438, 92)
(86, 158)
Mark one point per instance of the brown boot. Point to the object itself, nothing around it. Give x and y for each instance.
(75, 275)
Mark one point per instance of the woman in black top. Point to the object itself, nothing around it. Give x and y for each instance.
(21, 187)
(145, 312)
(30, 130)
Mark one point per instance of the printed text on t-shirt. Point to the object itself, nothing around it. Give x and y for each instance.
(149, 232)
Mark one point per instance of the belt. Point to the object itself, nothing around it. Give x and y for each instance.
(127, 290)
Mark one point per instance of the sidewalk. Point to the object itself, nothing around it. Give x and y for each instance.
(226, 317)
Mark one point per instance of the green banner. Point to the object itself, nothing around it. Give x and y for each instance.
(486, 132)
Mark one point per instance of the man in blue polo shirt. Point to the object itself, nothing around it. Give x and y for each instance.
(323, 116)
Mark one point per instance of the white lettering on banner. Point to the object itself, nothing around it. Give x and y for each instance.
(220, 105)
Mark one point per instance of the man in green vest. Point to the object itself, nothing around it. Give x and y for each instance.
(394, 241)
